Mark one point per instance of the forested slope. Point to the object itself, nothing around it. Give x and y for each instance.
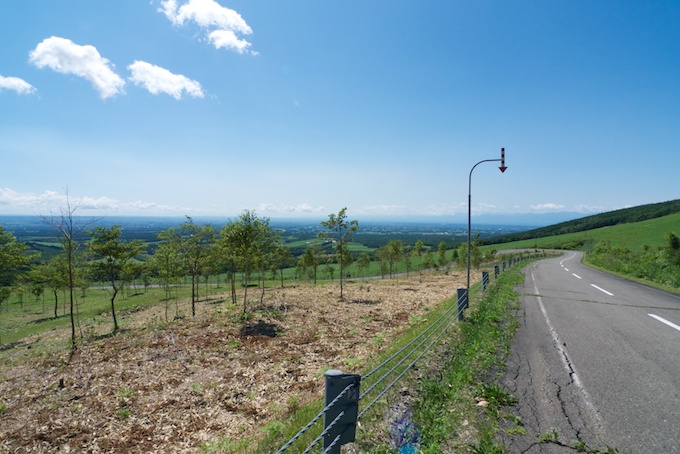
(622, 216)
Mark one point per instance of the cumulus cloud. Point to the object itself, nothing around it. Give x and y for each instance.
(301, 208)
(12, 202)
(547, 207)
(15, 84)
(228, 40)
(222, 24)
(49, 200)
(64, 56)
(20, 201)
(160, 80)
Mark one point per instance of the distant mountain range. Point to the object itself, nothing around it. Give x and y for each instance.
(529, 220)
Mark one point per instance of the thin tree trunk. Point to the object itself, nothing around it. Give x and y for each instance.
(245, 290)
(262, 273)
(113, 309)
(193, 295)
(56, 303)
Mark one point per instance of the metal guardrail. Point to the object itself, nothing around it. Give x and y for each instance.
(342, 391)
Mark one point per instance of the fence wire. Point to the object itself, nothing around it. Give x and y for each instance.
(432, 333)
(314, 420)
(406, 369)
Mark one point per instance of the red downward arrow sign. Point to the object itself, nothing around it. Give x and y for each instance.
(502, 167)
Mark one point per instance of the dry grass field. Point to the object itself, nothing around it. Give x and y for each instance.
(173, 386)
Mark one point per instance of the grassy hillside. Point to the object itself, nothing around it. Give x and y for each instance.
(634, 236)
(647, 251)
(595, 222)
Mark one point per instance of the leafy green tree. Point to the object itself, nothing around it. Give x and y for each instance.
(384, 268)
(461, 255)
(280, 258)
(673, 248)
(212, 264)
(112, 255)
(13, 256)
(311, 259)
(475, 255)
(192, 242)
(490, 255)
(230, 262)
(345, 259)
(69, 228)
(391, 253)
(363, 262)
(418, 252)
(247, 239)
(339, 230)
(51, 274)
(428, 261)
(269, 242)
(132, 271)
(169, 267)
(406, 257)
(329, 270)
(441, 254)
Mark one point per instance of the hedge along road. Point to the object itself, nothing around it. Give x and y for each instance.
(594, 360)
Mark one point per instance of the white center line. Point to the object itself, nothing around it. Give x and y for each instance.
(576, 276)
(602, 290)
(663, 320)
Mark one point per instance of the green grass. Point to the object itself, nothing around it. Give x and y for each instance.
(447, 398)
(17, 322)
(633, 236)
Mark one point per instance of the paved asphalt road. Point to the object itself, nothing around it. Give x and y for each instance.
(596, 358)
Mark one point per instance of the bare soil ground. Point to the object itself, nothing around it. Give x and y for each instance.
(171, 386)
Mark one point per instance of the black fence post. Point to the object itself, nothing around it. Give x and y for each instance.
(462, 303)
(485, 280)
(344, 429)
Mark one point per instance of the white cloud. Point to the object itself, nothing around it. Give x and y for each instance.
(51, 200)
(301, 208)
(223, 24)
(547, 207)
(12, 202)
(228, 40)
(160, 80)
(14, 83)
(64, 56)
(266, 208)
(19, 201)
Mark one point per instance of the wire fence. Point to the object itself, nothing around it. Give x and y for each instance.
(383, 377)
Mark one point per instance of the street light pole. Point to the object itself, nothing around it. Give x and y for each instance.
(502, 169)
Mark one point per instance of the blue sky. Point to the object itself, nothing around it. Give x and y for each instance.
(203, 107)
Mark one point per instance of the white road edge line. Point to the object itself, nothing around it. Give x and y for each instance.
(564, 356)
(602, 290)
(576, 276)
(663, 320)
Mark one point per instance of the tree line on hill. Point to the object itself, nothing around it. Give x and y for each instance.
(622, 216)
(243, 250)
